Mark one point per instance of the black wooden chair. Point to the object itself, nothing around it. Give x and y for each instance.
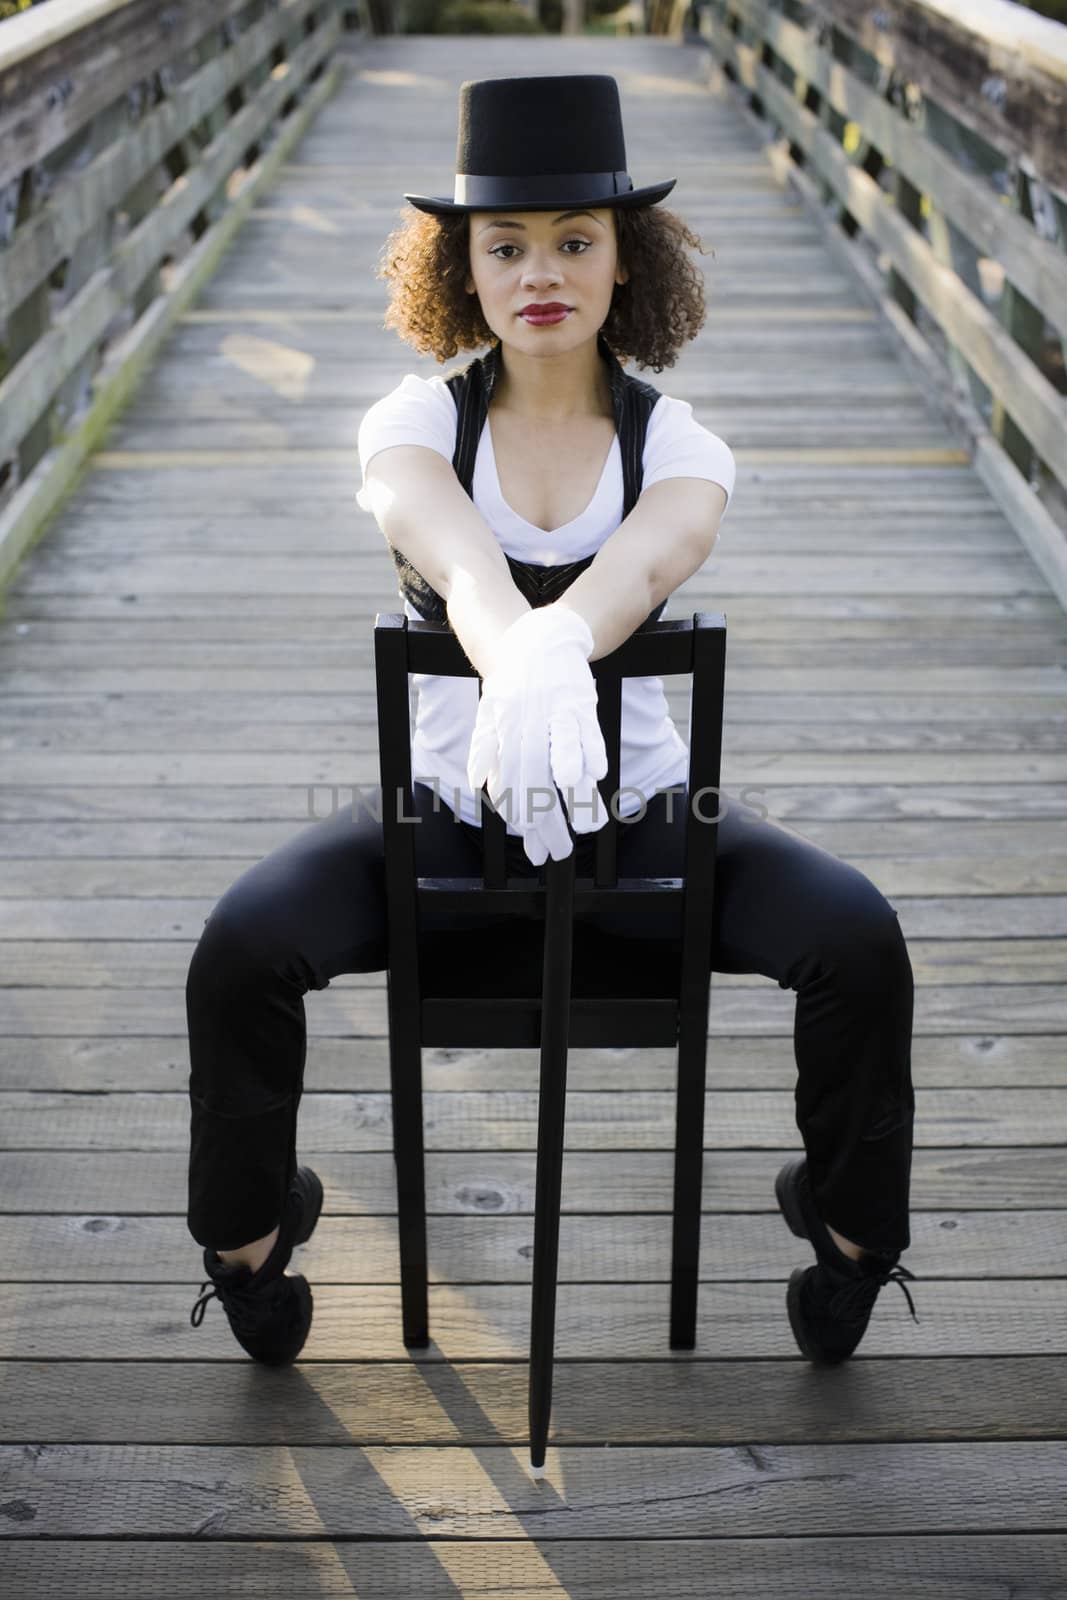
(554, 981)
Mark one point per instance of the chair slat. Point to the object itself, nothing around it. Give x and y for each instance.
(609, 712)
(516, 1024)
(520, 895)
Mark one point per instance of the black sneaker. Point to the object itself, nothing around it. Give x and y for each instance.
(830, 1304)
(269, 1310)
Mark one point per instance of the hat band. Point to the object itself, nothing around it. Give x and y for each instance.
(475, 189)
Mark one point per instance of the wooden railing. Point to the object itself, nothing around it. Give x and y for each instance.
(134, 137)
(930, 139)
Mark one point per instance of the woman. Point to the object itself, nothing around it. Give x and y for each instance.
(569, 499)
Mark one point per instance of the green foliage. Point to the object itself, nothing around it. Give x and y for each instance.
(463, 16)
(1056, 9)
(551, 14)
(11, 8)
(418, 16)
(485, 16)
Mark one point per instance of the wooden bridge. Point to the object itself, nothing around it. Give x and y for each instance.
(195, 200)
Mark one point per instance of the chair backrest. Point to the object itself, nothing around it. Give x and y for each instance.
(696, 647)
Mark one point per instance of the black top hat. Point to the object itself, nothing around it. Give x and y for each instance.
(532, 144)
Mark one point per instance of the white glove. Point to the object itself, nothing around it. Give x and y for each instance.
(537, 727)
(548, 649)
(516, 768)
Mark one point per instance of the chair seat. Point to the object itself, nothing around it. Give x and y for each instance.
(508, 962)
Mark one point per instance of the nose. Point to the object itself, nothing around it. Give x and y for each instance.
(544, 271)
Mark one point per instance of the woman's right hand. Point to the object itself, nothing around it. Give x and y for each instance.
(510, 754)
(537, 729)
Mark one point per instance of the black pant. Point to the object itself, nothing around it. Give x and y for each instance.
(314, 907)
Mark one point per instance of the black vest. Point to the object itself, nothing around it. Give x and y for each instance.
(633, 400)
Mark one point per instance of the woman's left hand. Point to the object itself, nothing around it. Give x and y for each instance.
(537, 723)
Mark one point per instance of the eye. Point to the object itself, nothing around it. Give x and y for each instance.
(585, 244)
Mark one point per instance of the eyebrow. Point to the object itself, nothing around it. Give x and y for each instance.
(564, 218)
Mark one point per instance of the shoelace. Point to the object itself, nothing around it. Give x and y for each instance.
(244, 1315)
(853, 1302)
(232, 1303)
(196, 1316)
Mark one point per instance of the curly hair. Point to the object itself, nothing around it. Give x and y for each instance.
(426, 260)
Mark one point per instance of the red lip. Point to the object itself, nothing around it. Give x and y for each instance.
(545, 310)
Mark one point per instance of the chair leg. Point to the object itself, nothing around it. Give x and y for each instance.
(555, 1033)
(405, 1068)
(688, 1183)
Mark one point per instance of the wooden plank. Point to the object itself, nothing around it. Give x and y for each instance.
(325, 729)
(238, 487)
(186, 876)
(31, 33)
(788, 803)
(786, 573)
(604, 1402)
(1008, 1179)
(795, 322)
(401, 1491)
(476, 1321)
(130, 644)
(833, 434)
(214, 735)
(1031, 38)
(780, 625)
(536, 1568)
(742, 290)
(277, 380)
(592, 1249)
(894, 455)
(507, 1120)
(121, 648)
(361, 766)
(752, 715)
(997, 613)
(740, 1003)
(734, 1007)
(56, 1063)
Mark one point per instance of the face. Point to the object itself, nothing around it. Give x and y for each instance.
(523, 257)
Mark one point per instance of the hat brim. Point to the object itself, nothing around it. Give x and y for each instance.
(648, 196)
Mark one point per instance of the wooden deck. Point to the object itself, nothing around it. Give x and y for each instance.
(189, 649)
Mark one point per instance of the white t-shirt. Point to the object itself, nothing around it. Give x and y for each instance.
(652, 754)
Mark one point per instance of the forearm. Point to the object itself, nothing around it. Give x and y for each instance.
(613, 595)
(482, 602)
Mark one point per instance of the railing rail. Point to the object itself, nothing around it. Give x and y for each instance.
(930, 137)
(134, 137)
